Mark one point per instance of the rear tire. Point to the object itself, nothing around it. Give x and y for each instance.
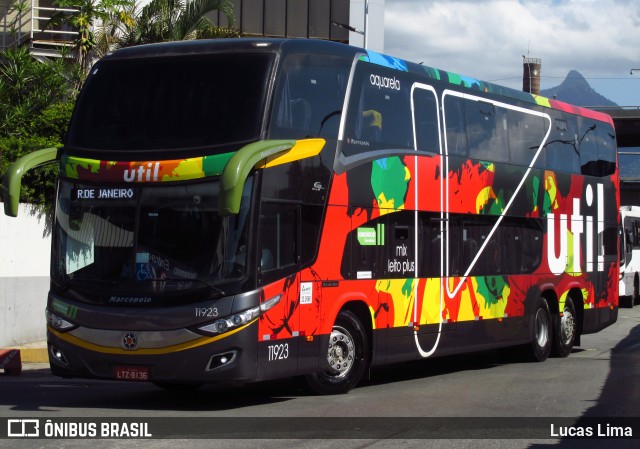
(565, 328)
(347, 357)
(540, 346)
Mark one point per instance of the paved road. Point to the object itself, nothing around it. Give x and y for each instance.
(599, 381)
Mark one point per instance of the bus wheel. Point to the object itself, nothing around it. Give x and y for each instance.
(347, 357)
(540, 346)
(565, 330)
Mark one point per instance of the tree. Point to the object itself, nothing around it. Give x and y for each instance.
(27, 87)
(36, 101)
(173, 20)
(88, 13)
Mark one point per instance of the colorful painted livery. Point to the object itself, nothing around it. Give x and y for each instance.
(242, 210)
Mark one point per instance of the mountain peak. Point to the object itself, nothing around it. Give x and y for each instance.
(575, 89)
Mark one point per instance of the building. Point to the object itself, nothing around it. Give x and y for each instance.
(23, 22)
(358, 22)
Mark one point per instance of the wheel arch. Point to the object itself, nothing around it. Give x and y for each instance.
(361, 310)
(575, 293)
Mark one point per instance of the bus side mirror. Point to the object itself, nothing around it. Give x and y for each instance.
(240, 165)
(247, 158)
(12, 179)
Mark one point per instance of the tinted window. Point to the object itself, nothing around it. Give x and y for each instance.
(147, 233)
(513, 248)
(379, 111)
(171, 103)
(278, 240)
(606, 149)
(425, 116)
(526, 133)
(430, 245)
(309, 98)
(562, 150)
(486, 131)
(455, 132)
(597, 147)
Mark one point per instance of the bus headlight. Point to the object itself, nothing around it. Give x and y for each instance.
(57, 322)
(239, 319)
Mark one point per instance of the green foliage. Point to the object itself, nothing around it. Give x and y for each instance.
(84, 19)
(53, 121)
(37, 98)
(28, 87)
(38, 185)
(173, 20)
(214, 32)
(36, 102)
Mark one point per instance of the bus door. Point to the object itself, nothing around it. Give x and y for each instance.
(427, 225)
(278, 273)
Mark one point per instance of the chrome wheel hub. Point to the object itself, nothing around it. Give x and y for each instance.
(542, 328)
(567, 326)
(341, 352)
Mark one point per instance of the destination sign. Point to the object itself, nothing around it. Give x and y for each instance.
(103, 193)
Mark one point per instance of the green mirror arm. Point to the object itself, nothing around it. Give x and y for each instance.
(12, 180)
(240, 165)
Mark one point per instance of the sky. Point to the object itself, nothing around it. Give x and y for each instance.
(486, 39)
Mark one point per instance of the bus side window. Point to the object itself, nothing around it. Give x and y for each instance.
(452, 246)
(309, 96)
(526, 133)
(278, 240)
(519, 245)
(597, 148)
(425, 110)
(562, 146)
(379, 111)
(475, 232)
(629, 240)
(430, 243)
(606, 149)
(456, 136)
(486, 131)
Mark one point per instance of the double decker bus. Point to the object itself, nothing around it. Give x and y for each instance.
(249, 209)
(629, 255)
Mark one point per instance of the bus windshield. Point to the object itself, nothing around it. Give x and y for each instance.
(149, 239)
(164, 104)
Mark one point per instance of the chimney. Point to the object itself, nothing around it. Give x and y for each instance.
(531, 75)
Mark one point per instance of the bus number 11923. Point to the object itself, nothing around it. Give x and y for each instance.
(278, 352)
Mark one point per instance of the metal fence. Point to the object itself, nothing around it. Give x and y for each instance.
(25, 22)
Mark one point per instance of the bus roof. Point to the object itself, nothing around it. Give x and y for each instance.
(287, 45)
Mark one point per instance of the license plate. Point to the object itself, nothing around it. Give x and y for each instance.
(132, 373)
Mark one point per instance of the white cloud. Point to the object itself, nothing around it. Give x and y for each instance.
(486, 39)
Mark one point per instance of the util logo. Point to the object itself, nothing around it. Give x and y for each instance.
(141, 174)
(580, 224)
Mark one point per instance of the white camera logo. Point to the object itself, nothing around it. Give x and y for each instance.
(23, 428)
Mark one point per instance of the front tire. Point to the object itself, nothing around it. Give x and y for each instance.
(540, 346)
(565, 330)
(347, 357)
